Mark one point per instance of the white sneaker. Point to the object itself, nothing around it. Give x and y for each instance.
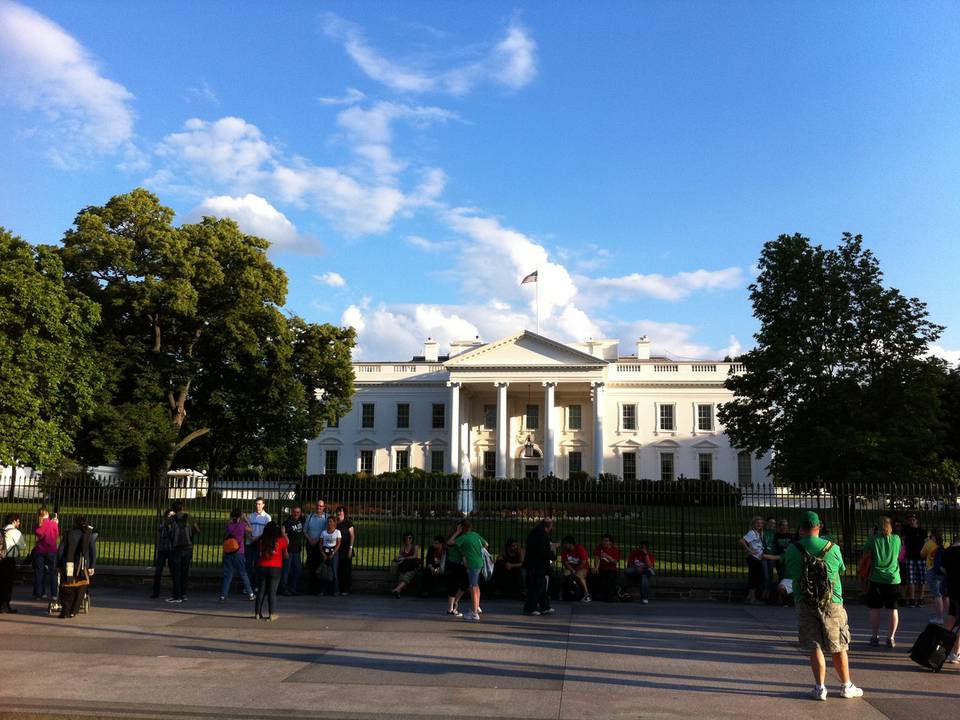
(645, 601)
(819, 692)
(470, 616)
(587, 598)
(479, 611)
(953, 659)
(848, 691)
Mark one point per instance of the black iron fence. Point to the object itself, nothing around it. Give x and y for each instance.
(692, 527)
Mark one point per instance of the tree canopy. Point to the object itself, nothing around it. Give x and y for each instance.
(839, 385)
(49, 375)
(197, 350)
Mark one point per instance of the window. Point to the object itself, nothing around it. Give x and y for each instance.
(533, 417)
(630, 466)
(490, 416)
(574, 417)
(489, 463)
(531, 472)
(366, 415)
(666, 417)
(366, 461)
(403, 415)
(330, 462)
(667, 467)
(403, 459)
(706, 466)
(629, 417)
(439, 416)
(575, 462)
(705, 418)
(436, 461)
(335, 423)
(744, 469)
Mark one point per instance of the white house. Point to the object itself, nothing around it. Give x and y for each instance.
(529, 406)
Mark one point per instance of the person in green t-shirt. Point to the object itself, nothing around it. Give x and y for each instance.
(821, 631)
(471, 545)
(884, 591)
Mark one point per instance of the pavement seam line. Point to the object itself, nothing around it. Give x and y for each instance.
(566, 652)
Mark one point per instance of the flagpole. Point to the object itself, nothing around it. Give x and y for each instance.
(537, 283)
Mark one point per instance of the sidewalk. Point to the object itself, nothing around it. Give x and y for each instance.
(376, 657)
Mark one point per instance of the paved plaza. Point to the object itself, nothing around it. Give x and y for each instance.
(376, 657)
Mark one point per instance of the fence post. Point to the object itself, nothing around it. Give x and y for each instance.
(683, 539)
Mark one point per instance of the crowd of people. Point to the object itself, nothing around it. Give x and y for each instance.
(783, 565)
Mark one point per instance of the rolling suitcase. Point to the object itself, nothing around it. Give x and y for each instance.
(932, 647)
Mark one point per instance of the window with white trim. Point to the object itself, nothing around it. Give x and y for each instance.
(706, 466)
(490, 417)
(436, 461)
(330, 458)
(629, 466)
(403, 416)
(489, 463)
(367, 415)
(366, 461)
(438, 416)
(704, 417)
(628, 417)
(575, 462)
(532, 417)
(667, 419)
(402, 459)
(744, 469)
(575, 417)
(667, 467)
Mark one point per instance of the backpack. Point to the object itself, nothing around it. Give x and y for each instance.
(181, 529)
(816, 588)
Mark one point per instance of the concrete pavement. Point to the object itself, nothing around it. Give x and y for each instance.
(376, 657)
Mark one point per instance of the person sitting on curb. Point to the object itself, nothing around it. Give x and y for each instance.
(607, 559)
(821, 618)
(576, 564)
(640, 568)
(432, 574)
(406, 564)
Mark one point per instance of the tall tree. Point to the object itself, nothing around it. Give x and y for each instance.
(50, 377)
(195, 337)
(839, 385)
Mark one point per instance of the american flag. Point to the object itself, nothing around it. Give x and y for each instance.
(532, 277)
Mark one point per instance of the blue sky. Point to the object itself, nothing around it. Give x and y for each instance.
(412, 161)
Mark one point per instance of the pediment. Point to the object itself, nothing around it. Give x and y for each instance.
(366, 442)
(706, 445)
(668, 444)
(524, 349)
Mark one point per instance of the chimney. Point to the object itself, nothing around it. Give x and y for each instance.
(431, 350)
(643, 348)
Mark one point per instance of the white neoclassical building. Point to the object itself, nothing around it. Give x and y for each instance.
(529, 406)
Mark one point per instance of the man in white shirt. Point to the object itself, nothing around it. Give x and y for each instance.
(13, 545)
(315, 524)
(258, 520)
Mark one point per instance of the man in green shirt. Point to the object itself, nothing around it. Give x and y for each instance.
(471, 545)
(827, 630)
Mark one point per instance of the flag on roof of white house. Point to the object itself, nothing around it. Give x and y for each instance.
(532, 277)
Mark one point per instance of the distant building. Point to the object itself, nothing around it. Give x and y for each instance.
(529, 406)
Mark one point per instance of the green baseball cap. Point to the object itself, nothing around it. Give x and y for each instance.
(810, 519)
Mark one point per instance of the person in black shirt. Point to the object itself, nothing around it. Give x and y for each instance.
(508, 571)
(348, 536)
(950, 564)
(431, 575)
(293, 563)
(914, 537)
(538, 561)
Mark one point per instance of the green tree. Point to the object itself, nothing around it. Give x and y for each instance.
(50, 377)
(196, 342)
(839, 385)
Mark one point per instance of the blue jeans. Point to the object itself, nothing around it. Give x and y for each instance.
(643, 576)
(45, 574)
(290, 575)
(333, 584)
(235, 564)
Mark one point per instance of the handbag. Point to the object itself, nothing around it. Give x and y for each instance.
(230, 545)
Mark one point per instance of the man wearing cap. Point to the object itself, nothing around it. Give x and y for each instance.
(821, 631)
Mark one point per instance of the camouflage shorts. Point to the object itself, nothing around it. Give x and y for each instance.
(829, 632)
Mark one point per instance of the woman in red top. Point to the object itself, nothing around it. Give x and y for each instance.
(273, 549)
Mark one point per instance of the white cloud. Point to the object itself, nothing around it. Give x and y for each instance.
(429, 246)
(511, 62)
(674, 287)
(202, 92)
(673, 340)
(255, 216)
(331, 279)
(951, 356)
(43, 68)
(349, 98)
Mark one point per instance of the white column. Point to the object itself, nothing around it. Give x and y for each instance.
(453, 423)
(597, 428)
(503, 451)
(549, 431)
